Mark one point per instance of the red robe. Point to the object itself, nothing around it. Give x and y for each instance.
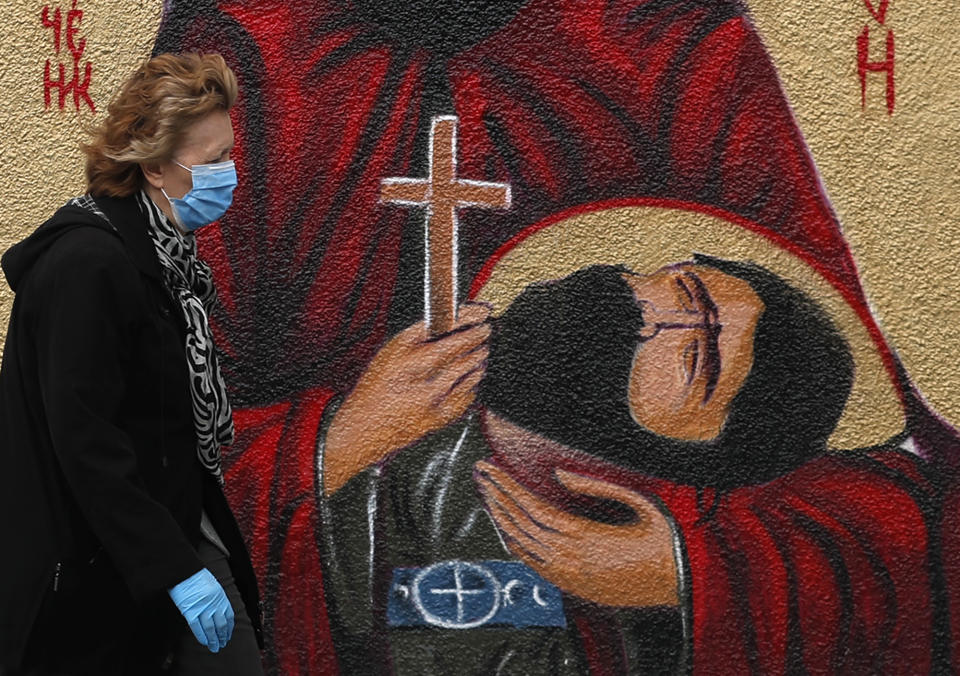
(569, 101)
(836, 567)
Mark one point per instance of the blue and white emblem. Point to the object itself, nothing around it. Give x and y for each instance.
(465, 595)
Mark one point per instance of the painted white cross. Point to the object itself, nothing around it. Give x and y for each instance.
(459, 591)
(442, 193)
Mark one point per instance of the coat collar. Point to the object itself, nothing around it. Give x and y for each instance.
(125, 215)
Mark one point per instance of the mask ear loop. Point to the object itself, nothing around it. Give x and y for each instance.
(173, 208)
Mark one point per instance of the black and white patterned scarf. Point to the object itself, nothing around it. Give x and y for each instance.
(190, 284)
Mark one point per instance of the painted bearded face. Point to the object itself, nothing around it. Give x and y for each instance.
(658, 372)
(695, 349)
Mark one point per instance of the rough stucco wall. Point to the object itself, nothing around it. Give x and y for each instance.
(40, 163)
(891, 177)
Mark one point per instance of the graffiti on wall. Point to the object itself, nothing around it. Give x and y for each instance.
(609, 515)
(886, 65)
(67, 73)
(491, 540)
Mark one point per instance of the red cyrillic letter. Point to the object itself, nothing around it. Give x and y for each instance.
(864, 66)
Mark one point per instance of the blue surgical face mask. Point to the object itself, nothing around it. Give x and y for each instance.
(208, 199)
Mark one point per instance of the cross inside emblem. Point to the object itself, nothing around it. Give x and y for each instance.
(475, 594)
(465, 595)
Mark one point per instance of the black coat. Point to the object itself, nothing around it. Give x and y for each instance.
(100, 486)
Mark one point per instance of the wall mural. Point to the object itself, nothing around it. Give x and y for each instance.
(693, 447)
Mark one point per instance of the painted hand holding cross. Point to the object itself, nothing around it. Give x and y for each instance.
(425, 377)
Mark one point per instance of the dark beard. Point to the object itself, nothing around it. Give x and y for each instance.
(560, 361)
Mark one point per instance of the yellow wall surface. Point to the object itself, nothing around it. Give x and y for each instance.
(891, 177)
(40, 162)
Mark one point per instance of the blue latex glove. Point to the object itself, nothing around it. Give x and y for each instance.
(203, 603)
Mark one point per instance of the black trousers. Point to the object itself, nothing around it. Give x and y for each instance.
(241, 656)
(103, 643)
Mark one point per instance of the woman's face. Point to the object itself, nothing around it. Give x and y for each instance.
(208, 140)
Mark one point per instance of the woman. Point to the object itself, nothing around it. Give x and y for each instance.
(122, 554)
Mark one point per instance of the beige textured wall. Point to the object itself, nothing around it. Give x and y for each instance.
(892, 178)
(40, 164)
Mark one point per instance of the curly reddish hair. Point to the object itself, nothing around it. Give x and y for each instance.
(148, 118)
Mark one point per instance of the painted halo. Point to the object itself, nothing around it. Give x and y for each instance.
(647, 234)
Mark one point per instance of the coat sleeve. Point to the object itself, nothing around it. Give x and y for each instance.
(831, 569)
(81, 331)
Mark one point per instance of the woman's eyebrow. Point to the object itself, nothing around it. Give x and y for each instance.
(224, 151)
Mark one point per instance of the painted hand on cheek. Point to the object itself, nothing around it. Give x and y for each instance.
(615, 565)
